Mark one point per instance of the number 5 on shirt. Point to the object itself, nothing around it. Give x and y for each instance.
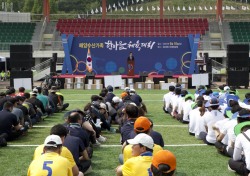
(46, 167)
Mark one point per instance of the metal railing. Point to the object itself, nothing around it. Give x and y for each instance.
(42, 32)
(42, 66)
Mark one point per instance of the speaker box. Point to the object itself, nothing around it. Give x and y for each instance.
(20, 74)
(238, 55)
(53, 63)
(238, 78)
(21, 56)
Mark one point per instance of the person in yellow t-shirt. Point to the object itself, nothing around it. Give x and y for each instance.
(127, 151)
(61, 131)
(138, 165)
(51, 163)
(141, 125)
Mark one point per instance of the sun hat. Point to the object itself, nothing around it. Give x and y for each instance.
(212, 102)
(164, 157)
(238, 128)
(189, 96)
(142, 139)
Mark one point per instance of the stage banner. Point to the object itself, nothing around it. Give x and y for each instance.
(152, 54)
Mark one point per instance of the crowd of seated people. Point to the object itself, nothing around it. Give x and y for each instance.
(219, 119)
(82, 131)
(21, 110)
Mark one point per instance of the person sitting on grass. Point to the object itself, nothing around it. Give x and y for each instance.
(226, 133)
(21, 91)
(139, 164)
(167, 107)
(75, 146)
(240, 163)
(129, 118)
(9, 124)
(141, 125)
(193, 114)
(163, 163)
(210, 118)
(51, 161)
(65, 153)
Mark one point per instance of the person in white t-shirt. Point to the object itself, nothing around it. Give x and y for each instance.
(193, 115)
(210, 118)
(167, 107)
(174, 101)
(240, 163)
(186, 108)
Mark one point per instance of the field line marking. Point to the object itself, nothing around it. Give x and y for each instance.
(100, 90)
(89, 100)
(171, 126)
(172, 145)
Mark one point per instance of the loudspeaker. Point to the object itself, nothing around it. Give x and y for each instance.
(20, 74)
(208, 62)
(53, 63)
(238, 78)
(21, 56)
(238, 55)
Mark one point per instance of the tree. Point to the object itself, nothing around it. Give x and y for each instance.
(28, 5)
(35, 7)
(53, 7)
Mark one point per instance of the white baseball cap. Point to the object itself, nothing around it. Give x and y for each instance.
(226, 88)
(142, 139)
(116, 99)
(52, 141)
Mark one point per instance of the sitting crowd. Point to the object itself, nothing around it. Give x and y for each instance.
(219, 119)
(82, 130)
(21, 110)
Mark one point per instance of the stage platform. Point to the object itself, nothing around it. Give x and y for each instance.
(123, 76)
(136, 78)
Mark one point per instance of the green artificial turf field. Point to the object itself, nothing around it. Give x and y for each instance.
(192, 157)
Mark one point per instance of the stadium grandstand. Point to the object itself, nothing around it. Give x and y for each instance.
(218, 23)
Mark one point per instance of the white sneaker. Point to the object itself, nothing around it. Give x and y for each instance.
(229, 168)
(101, 139)
(88, 170)
(97, 144)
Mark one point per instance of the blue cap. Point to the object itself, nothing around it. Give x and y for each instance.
(215, 95)
(232, 97)
(212, 102)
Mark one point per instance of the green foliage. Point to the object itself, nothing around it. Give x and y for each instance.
(53, 6)
(28, 5)
(35, 7)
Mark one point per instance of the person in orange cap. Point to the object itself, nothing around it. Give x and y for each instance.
(163, 163)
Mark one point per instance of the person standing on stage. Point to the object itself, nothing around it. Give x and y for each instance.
(131, 57)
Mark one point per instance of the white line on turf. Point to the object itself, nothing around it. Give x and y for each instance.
(89, 100)
(173, 145)
(171, 126)
(94, 94)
